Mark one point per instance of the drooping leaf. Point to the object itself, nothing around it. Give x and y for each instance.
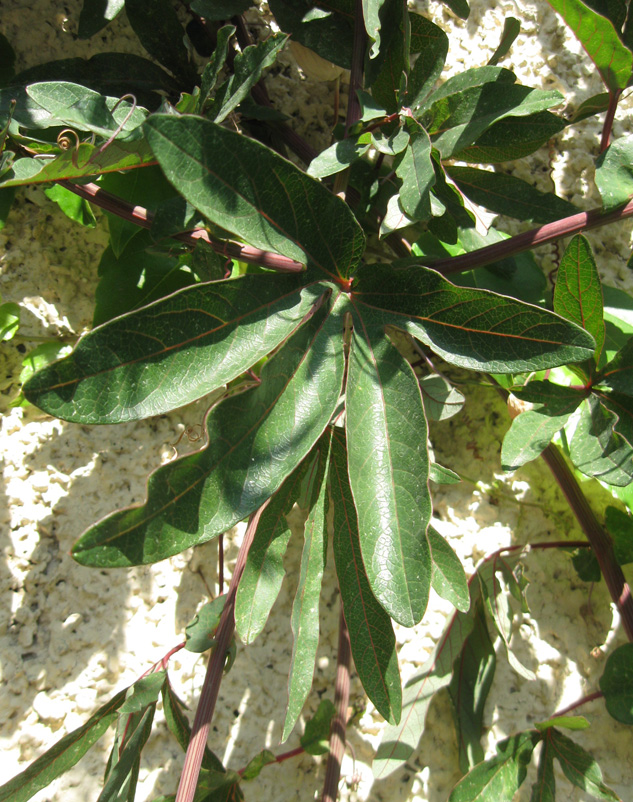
(473, 673)
(388, 470)
(618, 373)
(448, 579)
(501, 776)
(95, 15)
(511, 29)
(223, 174)
(473, 329)
(305, 609)
(441, 400)
(63, 755)
(316, 738)
(256, 440)
(601, 41)
(506, 194)
(371, 633)
(173, 351)
(578, 765)
(532, 430)
(616, 683)
(120, 782)
(614, 173)
(578, 293)
(512, 138)
(247, 70)
(597, 450)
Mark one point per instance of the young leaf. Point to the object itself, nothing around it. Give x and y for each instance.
(295, 216)
(388, 471)
(372, 640)
(316, 738)
(578, 293)
(95, 15)
(173, 351)
(62, 755)
(568, 722)
(305, 609)
(601, 41)
(506, 194)
(578, 766)
(473, 673)
(257, 440)
(616, 683)
(448, 579)
(473, 329)
(501, 776)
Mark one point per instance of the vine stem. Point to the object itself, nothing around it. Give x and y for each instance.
(614, 97)
(339, 722)
(585, 700)
(596, 534)
(215, 669)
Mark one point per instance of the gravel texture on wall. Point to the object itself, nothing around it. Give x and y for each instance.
(71, 636)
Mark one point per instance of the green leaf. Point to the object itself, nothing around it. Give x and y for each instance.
(568, 722)
(247, 70)
(264, 571)
(213, 69)
(578, 293)
(256, 440)
(339, 155)
(143, 693)
(473, 673)
(200, 631)
(7, 196)
(74, 207)
(9, 320)
(441, 399)
(459, 7)
(614, 173)
(431, 44)
(532, 430)
(388, 471)
(220, 9)
(620, 527)
(173, 351)
(443, 476)
(121, 780)
(371, 633)
(544, 789)
(597, 450)
(316, 738)
(513, 138)
(618, 374)
(601, 41)
(448, 579)
(593, 105)
(254, 767)
(95, 15)
(158, 28)
(502, 775)
(418, 176)
(62, 755)
(506, 194)
(7, 59)
(511, 29)
(578, 766)
(474, 329)
(616, 683)
(305, 609)
(222, 174)
(176, 720)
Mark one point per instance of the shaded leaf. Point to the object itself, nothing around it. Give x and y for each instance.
(593, 105)
(122, 778)
(371, 633)
(95, 15)
(620, 527)
(513, 138)
(544, 789)
(256, 440)
(596, 450)
(618, 374)
(418, 176)
(616, 683)
(220, 9)
(388, 471)
(578, 766)
(614, 173)
(158, 28)
(441, 399)
(511, 29)
(339, 155)
(316, 738)
(254, 767)
(223, 174)
(74, 207)
(211, 72)
(200, 631)
(448, 579)
(431, 44)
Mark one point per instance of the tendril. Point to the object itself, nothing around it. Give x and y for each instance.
(67, 139)
(120, 127)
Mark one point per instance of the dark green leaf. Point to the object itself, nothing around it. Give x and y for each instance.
(601, 41)
(502, 775)
(578, 766)
(179, 726)
(339, 155)
(618, 374)
(96, 14)
(72, 205)
(305, 609)
(441, 399)
(200, 631)
(7, 60)
(173, 351)
(212, 70)
(316, 738)
(596, 450)
(586, 565)
(431, 44)
(257, 440)
(254, 767)
(544, 789)
(578, 293)
(418, 176)
(220, 9)
(158, 28)
(224, 175)
(143, 693)
(593, 105)
(473, 673)
(247, 70)
(388, 471)
(511, 29)
(506, 194)
(532, 430)
(513, 138)
(459, 7)
(371, 634)
(620, 527)
(63, 755)
(448, 579)
(121, 780)
(473, 329)
(614, 173)
(7, 197)
(616, 683)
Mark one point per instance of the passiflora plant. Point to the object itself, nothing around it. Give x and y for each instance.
(233, 271)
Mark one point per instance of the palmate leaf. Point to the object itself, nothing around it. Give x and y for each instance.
(173, 351)
(256, 194)
(389, 470)
(578, 765)
(372, 639)
(256, 440)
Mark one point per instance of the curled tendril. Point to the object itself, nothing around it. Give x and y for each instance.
(67, 139)
(120, 127)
